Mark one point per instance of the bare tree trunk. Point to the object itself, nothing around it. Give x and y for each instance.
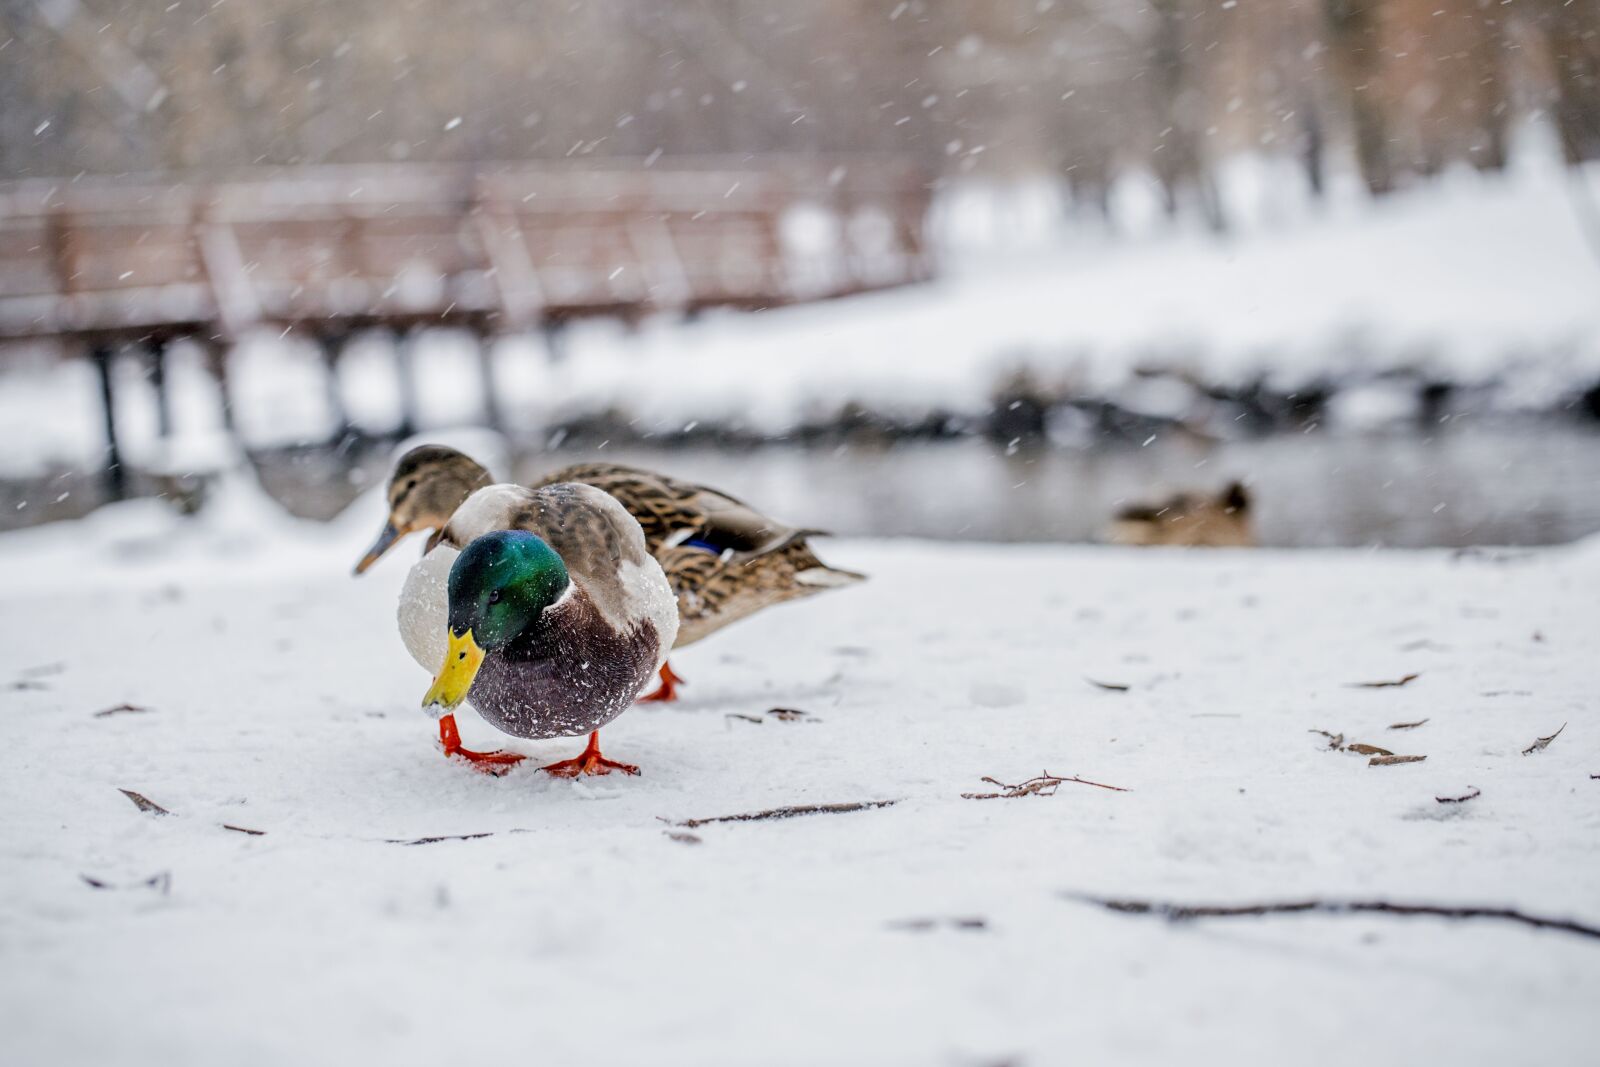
(1354, 45)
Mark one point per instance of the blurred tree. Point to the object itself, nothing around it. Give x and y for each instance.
(1082, 89)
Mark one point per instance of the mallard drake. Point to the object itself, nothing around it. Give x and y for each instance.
(723, 559)
(1221, 521)
(543, 608)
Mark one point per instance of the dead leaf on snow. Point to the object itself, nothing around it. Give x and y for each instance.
(144, 803)
(1390, 761)
(1397, 683)
(1543, 742)
(1367, 750)
(1335, 741)
(1407, 725)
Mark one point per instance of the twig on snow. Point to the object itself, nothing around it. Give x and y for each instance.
(1045, 785)
(121, 709)
(954, 922)
(1115, 687)
(434, 840)
(161, 881)
(1476, 792)
(1397, 683)
(791, 812)
(1188, 912)
(1406, 725)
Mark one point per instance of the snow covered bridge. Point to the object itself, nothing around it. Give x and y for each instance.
(108, 265)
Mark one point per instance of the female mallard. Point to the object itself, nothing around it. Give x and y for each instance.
(543, 609)
(723, 559)
(1225, 520)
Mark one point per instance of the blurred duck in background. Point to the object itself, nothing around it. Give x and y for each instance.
(1189, 519)
(723, 559)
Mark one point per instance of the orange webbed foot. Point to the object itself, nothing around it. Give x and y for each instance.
(589, 762)
(668, 690)
(487, 762)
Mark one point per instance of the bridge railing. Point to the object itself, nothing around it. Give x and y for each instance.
(501, 247)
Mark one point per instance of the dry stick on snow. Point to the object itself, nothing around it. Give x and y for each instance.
(161, 881)
(1543, 742)
(1188, 912)
(1406, 725)
(957, 922)
(435, 840)
(785, 813)
(144, 803)
(1476, 792)
(1397, 683)
(121, 709)
(244, 830)
(1115, 687)
(1045, 786)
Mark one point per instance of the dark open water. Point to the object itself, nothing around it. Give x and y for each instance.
(1508, 484)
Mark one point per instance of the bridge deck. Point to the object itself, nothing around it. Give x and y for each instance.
(499, 248)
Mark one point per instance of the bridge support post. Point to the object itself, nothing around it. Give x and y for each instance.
(332, 347)
(492, 416)
(101, 355)
(405, 359)
(157, 355)
(554, 332)
(216, 355)
(216, 362)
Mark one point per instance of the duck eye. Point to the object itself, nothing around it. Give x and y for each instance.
(494, 596)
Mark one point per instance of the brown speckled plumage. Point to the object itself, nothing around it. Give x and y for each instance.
(741, 560)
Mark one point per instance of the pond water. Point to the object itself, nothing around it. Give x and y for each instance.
(1468, 484)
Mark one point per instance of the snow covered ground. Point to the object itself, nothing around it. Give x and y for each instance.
(1470, 279)
(274, 696)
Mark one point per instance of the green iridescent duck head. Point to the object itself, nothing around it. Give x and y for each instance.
(498, 587)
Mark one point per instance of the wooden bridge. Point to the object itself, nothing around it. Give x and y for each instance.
(109, 266)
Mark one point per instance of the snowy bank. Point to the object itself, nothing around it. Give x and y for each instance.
(294, 907)
(1477, 281)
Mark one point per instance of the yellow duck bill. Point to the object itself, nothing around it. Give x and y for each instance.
(461, 663)
(386, 539)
